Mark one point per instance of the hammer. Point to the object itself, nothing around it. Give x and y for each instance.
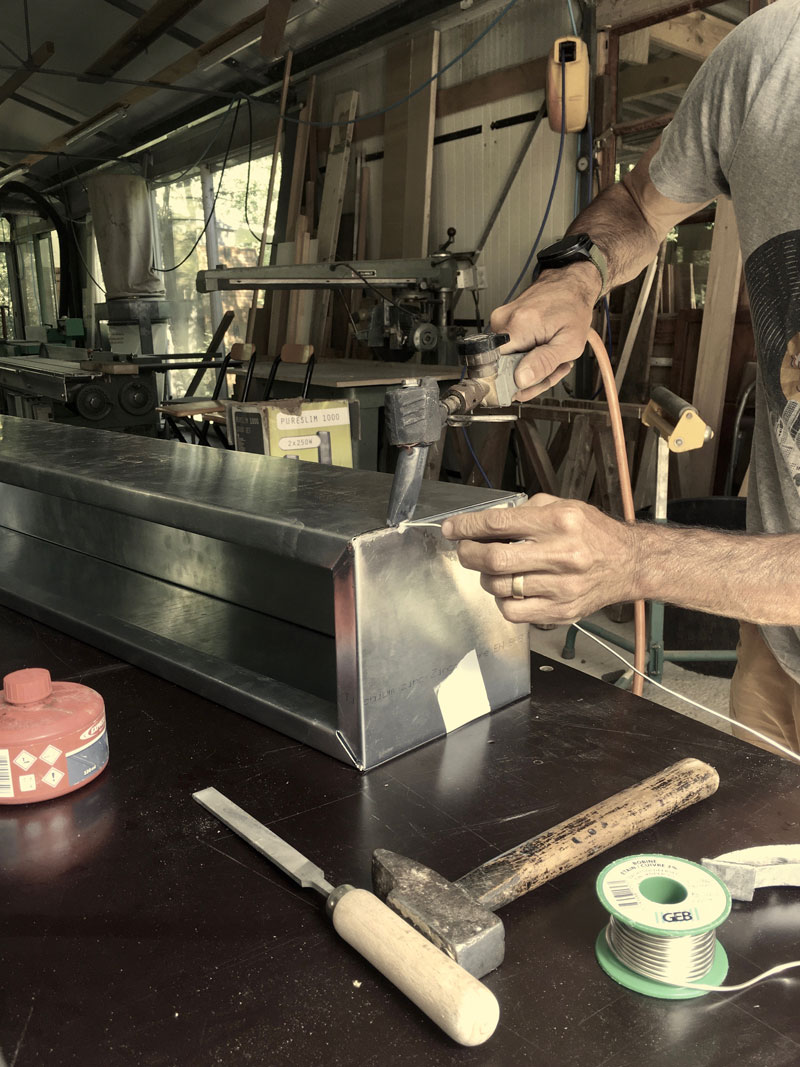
(459, 916)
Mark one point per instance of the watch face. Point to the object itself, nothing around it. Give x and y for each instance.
(573, 243)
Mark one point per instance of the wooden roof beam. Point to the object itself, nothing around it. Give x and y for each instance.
(37, 60)
(695, 35)
(161, 17)
(619, 14)
(663, 76)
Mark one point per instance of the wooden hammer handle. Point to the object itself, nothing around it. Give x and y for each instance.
(576, 840)
(456, 1001)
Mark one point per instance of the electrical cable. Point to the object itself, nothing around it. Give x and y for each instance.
(475, 457)
(368, 284)
(701, 707)
(572, 19)
(71, 222)
(167, 270)
(249, 161)
(522, 273)
(27, 27)
(203, 155)
(414, 92)
(10, 50)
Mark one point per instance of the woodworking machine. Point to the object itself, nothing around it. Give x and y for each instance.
(59, 383)
(414, 319)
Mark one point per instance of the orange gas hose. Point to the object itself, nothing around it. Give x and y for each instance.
(618, 433)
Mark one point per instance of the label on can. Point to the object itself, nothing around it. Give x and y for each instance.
(88, 759)
(6, 781)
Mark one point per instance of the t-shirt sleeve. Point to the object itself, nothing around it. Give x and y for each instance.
(697, 148)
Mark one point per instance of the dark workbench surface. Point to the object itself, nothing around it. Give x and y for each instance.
(138, 931)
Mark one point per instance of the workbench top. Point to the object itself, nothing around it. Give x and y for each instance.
(355, 373)
(138, 932)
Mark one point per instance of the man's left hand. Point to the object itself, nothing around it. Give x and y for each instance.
(571, 558)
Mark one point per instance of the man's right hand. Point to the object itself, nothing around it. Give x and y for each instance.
(551, 322)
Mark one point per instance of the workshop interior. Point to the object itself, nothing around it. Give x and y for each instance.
(249, 255)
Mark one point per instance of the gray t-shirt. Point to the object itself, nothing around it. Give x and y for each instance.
(737, 133)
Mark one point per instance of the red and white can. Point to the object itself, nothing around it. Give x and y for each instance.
(52, 736)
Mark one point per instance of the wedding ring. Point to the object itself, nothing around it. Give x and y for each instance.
(517, 590)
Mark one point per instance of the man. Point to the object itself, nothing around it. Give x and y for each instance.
(735, 134)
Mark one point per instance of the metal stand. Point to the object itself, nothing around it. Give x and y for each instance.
(666, 414)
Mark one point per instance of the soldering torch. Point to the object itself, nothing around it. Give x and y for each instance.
(416, 415)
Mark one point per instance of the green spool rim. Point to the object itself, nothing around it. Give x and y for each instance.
(647, 928)
(624, 976)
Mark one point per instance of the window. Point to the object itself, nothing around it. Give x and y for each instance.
(7, 325)
(179, 213)
(240, 218)
(38, 266)
(239, 215)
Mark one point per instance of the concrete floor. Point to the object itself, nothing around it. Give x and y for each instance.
(592, 659)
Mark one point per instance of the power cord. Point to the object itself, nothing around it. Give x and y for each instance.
(167, 270)
(414, 92)
(546, 215)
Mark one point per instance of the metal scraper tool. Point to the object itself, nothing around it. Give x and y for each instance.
(456, 1001)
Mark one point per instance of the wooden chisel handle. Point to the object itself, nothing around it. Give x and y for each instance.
(461, 1005)
(576, 840)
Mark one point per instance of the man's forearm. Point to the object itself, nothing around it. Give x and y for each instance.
(621, 232)
(743, 576)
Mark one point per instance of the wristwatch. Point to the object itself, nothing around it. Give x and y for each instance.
(572, 249)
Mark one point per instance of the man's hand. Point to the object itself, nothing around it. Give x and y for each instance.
(550, 321)
(573, 558)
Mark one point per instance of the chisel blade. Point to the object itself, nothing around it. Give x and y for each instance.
(278, 851)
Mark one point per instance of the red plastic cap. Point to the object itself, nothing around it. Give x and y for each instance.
(27, 686)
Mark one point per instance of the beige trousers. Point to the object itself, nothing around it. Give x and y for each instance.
(763, 695)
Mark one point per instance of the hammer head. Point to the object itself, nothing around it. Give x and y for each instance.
(470, 934)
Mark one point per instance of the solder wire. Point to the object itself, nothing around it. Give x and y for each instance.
(676, 961)
(688, 700)
(672, 960)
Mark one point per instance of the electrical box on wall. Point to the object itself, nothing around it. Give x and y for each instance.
(571, 54)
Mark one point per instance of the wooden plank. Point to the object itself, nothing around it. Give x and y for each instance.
(275, 16)
(533, 453)
(634, 47)
(576, 463)
(489, 88)
(615, 14)
(395, 150)
(638, 314)
(663, 76)
(38, 59)
(719, 317)
(608, 480)
(300, 161)
(330, 212)
(644, 493)
(695, 34)
(486, 89)
(158, 18)
(419, 145)
(300, 251)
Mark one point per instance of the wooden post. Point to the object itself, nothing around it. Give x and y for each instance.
(419, 146)
(330, 212)
(713, 358)
(395, 150)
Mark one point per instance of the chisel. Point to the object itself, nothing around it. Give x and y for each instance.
(456, 1001)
